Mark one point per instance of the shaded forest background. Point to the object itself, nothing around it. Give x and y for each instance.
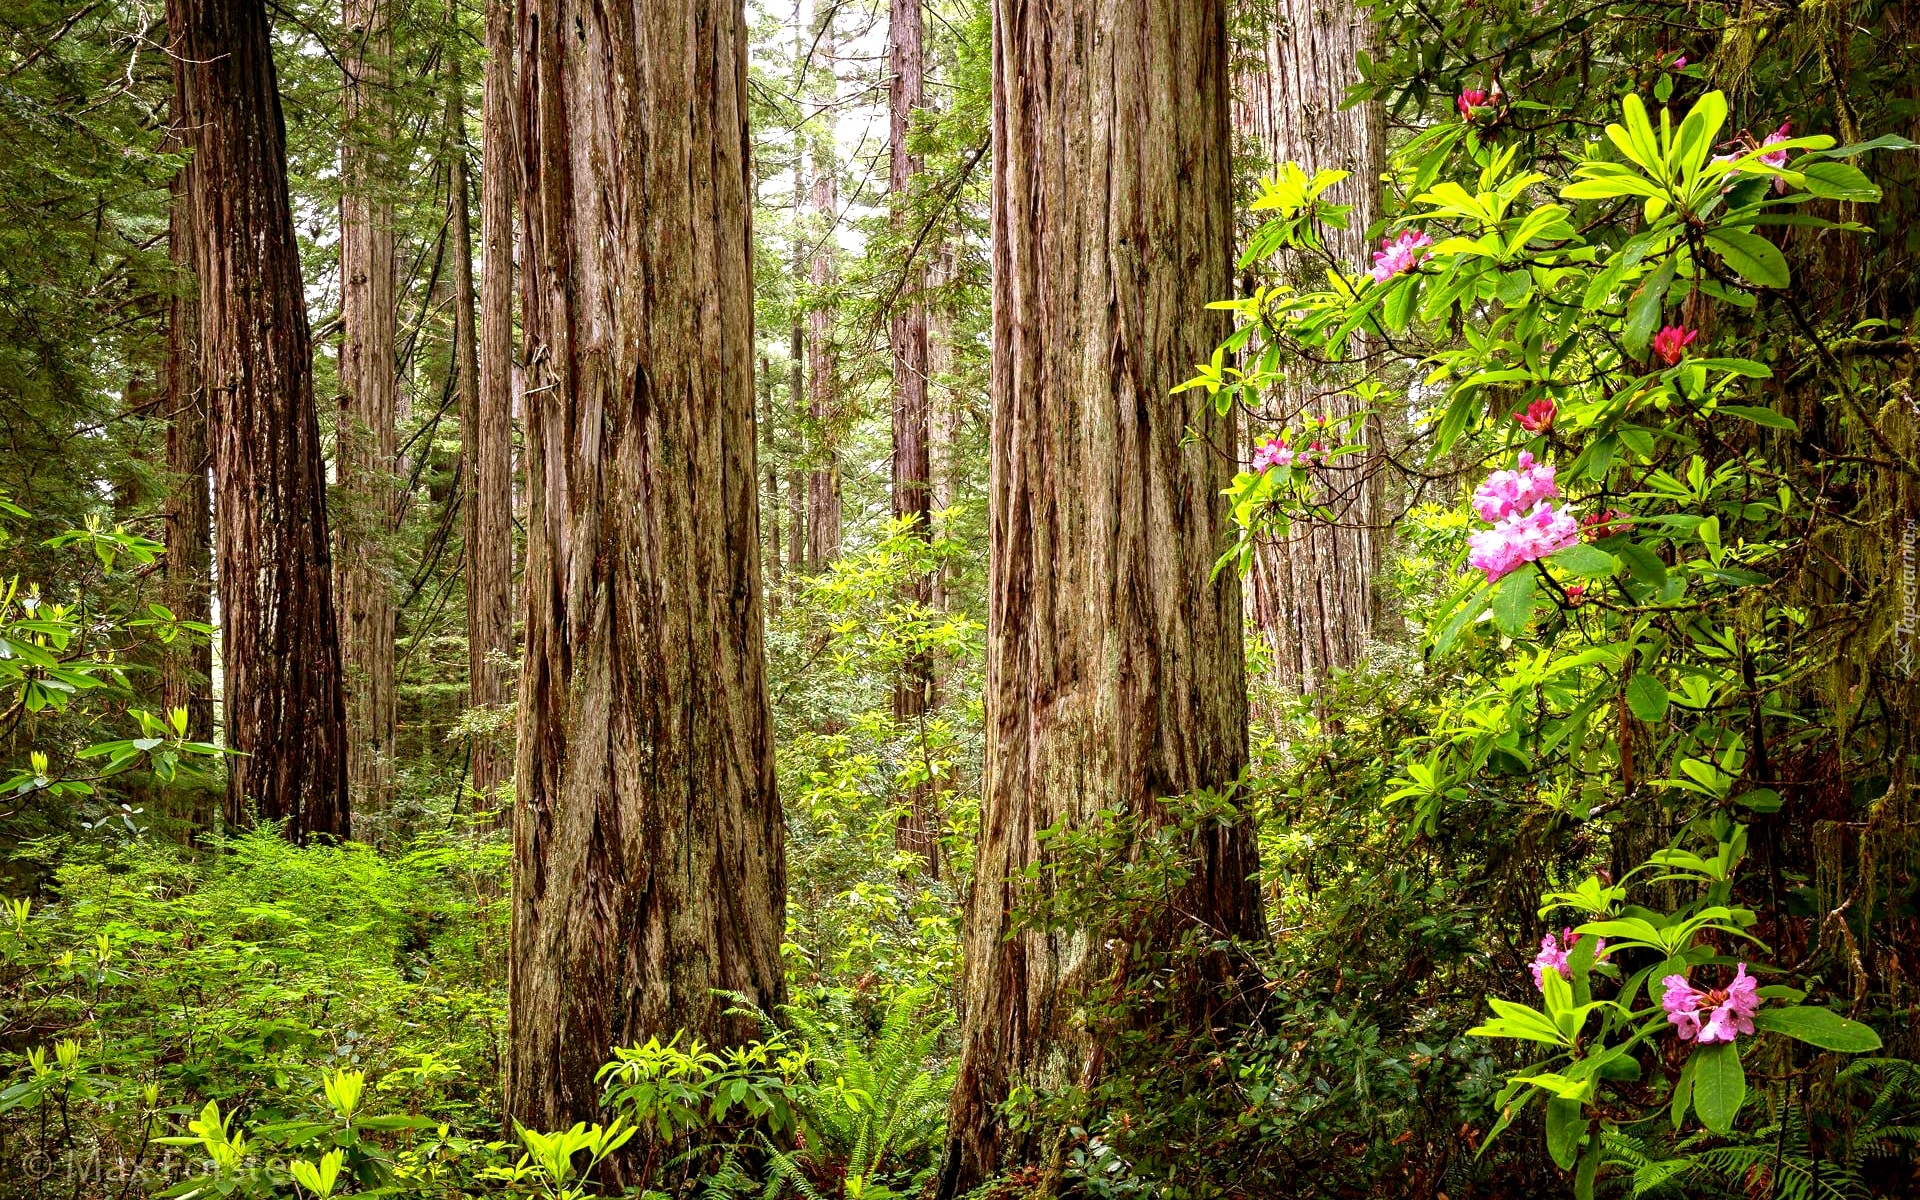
(751, 624)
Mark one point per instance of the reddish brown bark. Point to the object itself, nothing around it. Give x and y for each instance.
(648, 863)
(487, 417)
(366, 443)
(281, 653)
(1114, 670)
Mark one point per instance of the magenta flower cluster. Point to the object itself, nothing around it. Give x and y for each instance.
(1399, 255)
(1274, 452)
(1554, 953)
(1526, 526)
(1719, 1015)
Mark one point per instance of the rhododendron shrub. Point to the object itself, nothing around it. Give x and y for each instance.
(1585, 371)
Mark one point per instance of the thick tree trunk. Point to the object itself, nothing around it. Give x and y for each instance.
(823, 403)
(281, 651)
(1114, 671)
(1312, 593)
(919, 828)
(186, 670)
(487, 416)
(366, 447)
(649, 869)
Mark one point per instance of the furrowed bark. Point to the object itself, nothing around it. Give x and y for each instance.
(1114, 670)
(1312, 593)
(648, 861)
(366, 446)
(281, 653)
(488, 418)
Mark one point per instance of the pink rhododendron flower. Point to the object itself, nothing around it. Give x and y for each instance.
(1679, 64)
(1470, 99)
(1671, 343)
(1519, 540)
(1398, 255)
(1554, 953)
(1576, 596)
(1538, 416)
(1777, 158)
(1274, 452)
(1719, 1015)
(1506, 493)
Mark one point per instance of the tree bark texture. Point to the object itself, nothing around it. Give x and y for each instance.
(912, 483)
(1313, 591)
(187, 667)
(366, 447)
(823, 374)
(280, 646)
(487, 415)
(648, 853)
(1114, 670)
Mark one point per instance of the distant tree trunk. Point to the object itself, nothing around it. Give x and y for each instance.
(281, 650)
(366, 447)
(649, 871)
(487, 418)
(1114, 671)
(944, 407)
(770, 481)
(1313, 592)
(912, 471)
(186, 669)
(823, 406)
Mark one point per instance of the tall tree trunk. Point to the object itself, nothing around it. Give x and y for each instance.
(366, 447)
(649, 870)
(797, 479)
(944, 407)
(1114, 671)
(280, 646)
(186, 671)
(912, 471)
(487, 415)
(823, 404)
(770, 482)
(1313, 592)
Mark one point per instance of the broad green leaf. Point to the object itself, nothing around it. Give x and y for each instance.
(1719, 1085)
(1566, 1126)
(1588, 562)
(1759, 416)
(1752, 257)
(1817, 1026)
(1643, 311)
(1643, 564)
(1647, 698)
(1513, 602)
(1839, 181)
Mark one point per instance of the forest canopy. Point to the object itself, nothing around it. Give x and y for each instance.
(1187, 599)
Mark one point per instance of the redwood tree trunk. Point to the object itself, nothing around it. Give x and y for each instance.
(1114, 670)
(366, 448)
(912, 470)
(1313, 592)
(487, 415)
(281, 652)
(823, 407)
(649, 868)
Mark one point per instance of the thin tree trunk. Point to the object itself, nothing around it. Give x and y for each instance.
(186, 669)
(649, 871)
(281, 650)
(919, 827)
(943, 405)
(1312, 594)
(366, 445)
(1114, 670)
(823, 405)
(489, 427)
(796, 479)
(770, 482)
